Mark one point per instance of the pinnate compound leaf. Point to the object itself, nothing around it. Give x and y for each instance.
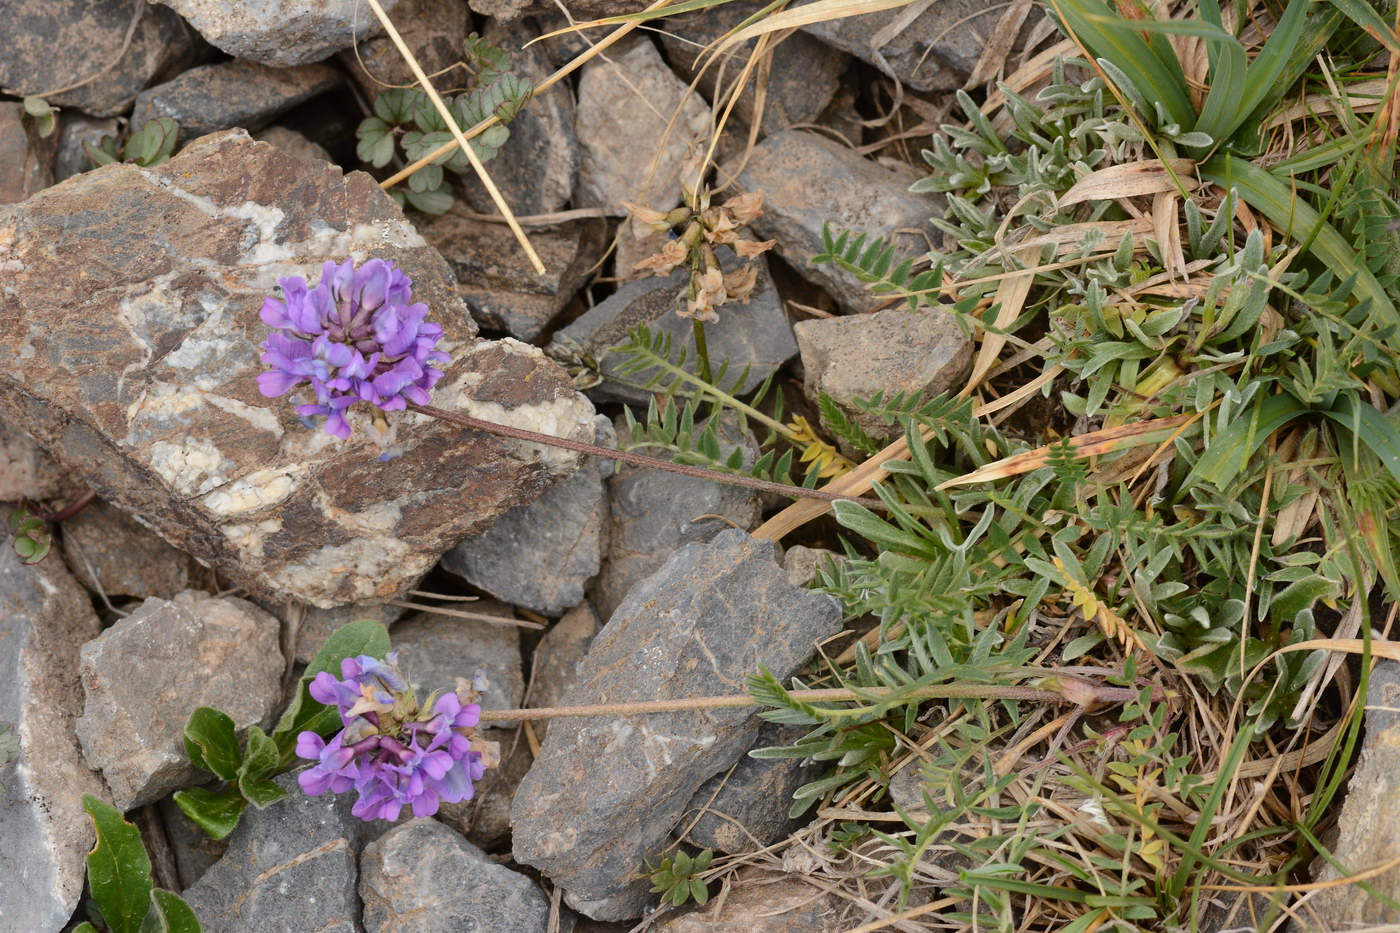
(119, 871)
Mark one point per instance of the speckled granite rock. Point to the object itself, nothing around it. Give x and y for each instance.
(137, 355)
(45, 617)
(217, 97)
(144, 676)
(288, 32)
(113, 553)
(605, 792)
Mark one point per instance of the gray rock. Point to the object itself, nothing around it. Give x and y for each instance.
(217, 97)
(300, 844)
(754, 335)
(434, 650)
(652, 513)
(802, 563)
(558, 660)
(145, 675)
(24, 168)
(434, 30)
(502, 289)
(27, 471)
(745, 809)
(1370, 812)
(167, 420)
(535, 170)
(581, 10)
(53, 44)
(423, 877)
(895, 350)
(763, 902)
(75, 129)
(936, 51)
(808, 180)
(542, 555)
(319, 624)
(293, 144)
(290, 32)
(112, 553)
(802, 73)
(485, 818)
(606, 792)
(45, 617)
(626, 99)
(195, 853)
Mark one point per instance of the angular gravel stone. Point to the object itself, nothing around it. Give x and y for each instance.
(895, 350)
(423, 877)
(558, 660)
(802, 563)
(289, 867)
(542, 555)
(535, 170)
(502, 289)
(210, 98)
(24, 167)
(145, 675)
(652, 513)
(626, 99)
(75, 129)
(45, 617)
(754, 335)
(746, 809)
(605, 792)
(808, 180)
(319, 624)
(485, 818)
(434, 650)
(288, 32)
(195, 853)
(434, 30)
(27, 471)
(112, 553)
(293, 144)
(51, 44)
(166, 419)
(579, 9)
(761, 902)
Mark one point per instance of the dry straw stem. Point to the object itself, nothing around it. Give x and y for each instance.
(461, 140)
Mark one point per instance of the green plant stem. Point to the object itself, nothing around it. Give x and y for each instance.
(702, 350)
(612, 453)
(1061, 689)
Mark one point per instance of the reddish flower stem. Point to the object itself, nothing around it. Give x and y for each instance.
(609, 453)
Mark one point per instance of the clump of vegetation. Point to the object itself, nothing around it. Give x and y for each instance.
(150, 145)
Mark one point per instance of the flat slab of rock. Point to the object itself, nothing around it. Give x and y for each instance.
(217, 97)
(45, 617)
(423, 877)
(51, 44)
(808, 180)
(136, 359)
(146, 674)
(605, 792)
(112, 553)
(289, 32)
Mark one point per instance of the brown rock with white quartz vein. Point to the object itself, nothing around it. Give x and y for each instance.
(130, 304)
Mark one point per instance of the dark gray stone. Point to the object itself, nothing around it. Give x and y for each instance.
(536, 168)
(53, 44)
(217, 97)
(808, 180)
(582, 10)
(626, 100)
(74, 130)
(606, 792)
(502, 289)
(434, 30)
(936, 51)
(652, 513)
(167, 420)
(435, 650)
(285, 33)
(542, 555)
(423, 877)
(289, 867)
(485, 818)
(802, 72)
(754, 335)
(45, 617)
(293, 144)
(144, 676)
(112, 553)
(895, 350)
(746, 809)
(195, 853)
(558, 659)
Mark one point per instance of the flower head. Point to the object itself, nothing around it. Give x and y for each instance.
(393, 752)
(355, 337)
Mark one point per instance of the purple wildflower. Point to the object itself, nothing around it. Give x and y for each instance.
(355, 337)
(392, 752)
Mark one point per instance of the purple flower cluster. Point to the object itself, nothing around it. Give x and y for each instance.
(355, 337)
(392, 752)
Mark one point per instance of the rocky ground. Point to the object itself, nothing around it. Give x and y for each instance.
(228, 540)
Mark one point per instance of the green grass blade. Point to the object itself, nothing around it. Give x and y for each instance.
(1271, 64)
(1231, 449)
(1370, 427)
(1364, 15)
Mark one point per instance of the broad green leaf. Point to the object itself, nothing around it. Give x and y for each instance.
(262, 794)
(1271, 67)
(261, 761)
(868, 525)
(211, 741)
(215, 813)
(375, 142)
(1230, 450)
(430, 202)
(396, 105)
(363, 636)
(177, 916)
(85, 927)
(119, 871)
(1371, 427)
